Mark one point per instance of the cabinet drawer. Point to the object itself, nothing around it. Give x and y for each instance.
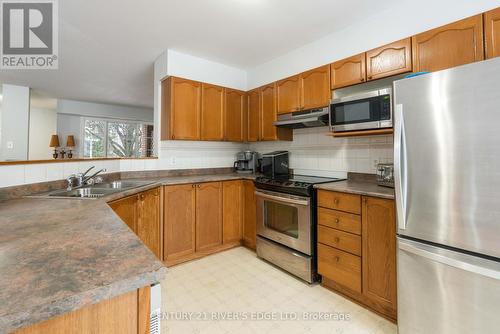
(341, 267)
(342, 240)
(339, 220)
(340, 201)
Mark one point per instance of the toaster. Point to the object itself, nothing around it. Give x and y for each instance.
(385, 175)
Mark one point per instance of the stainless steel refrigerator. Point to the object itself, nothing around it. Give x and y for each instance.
(447, 178)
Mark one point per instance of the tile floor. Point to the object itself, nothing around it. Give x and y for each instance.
(258, 297)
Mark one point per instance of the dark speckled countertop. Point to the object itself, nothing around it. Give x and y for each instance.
(360, 184)
(58, 255)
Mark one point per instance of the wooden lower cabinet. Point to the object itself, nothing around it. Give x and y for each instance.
(125, 314)
(379, 253)
(357, 249)
(208, 215)
(204, 218)
(249, 215)
(141, 212)
(232, 208)
(179, 220)
(126, 209)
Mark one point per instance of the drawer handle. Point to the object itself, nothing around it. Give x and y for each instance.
(336, 201)
(337, 259)
(337, 239)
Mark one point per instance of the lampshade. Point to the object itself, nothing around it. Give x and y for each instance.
(54, 141)
(70, 142)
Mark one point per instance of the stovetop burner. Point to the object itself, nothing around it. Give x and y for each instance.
(296, 184)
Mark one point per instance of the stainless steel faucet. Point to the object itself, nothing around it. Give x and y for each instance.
(81, 179)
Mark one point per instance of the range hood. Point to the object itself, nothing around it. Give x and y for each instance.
(304, 119)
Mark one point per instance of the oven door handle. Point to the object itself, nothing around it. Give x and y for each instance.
(282, 199)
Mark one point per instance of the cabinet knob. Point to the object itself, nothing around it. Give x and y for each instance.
(173, 137)
(198, 185)
(370, 77)
(193, 185)
(365, 200)
(337, 221)
(337, 259)
(337, 239)
(361, 79)
(336, 201)
(142, 197)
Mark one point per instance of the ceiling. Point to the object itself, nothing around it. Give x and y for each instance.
(107, 48)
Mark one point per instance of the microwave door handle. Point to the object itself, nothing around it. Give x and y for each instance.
(400, 167)
(282, 199)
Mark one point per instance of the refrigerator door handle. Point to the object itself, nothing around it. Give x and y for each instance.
(426, 252)
(400, 169)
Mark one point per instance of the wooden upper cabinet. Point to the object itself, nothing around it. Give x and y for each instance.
(253, 115)
(448, 46)
(349, 71)
(492, 33)
(315, 88)
(390, 59)
(180, 109)
(232, 206)
(179, 220)
(288, 94)
(379, 253)
(235, 111)
(212, 112)
(149, 222)
(249, 214)
(126, 209)
(208, 215)
(268, 111)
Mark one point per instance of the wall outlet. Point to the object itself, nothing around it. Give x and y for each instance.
(10, 145)
(172, 161)
(375, 163)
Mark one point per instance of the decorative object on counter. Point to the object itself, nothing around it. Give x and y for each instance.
(70, 144)
(54, 142)
(385, 175)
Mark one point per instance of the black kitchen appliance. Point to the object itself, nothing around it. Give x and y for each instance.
(275, 164)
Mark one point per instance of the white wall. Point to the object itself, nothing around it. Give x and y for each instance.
(199, 69)
(402, 20)
(42, 125)
(314, 152)
(15, 118)
(104, 110)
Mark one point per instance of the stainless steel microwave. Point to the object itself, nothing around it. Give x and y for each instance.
(365, 111)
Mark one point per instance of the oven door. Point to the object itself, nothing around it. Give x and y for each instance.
(285, 219)
(362, 112)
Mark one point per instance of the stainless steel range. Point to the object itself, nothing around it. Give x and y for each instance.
(286, 223)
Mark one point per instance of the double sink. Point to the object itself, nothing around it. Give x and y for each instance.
(96, 190)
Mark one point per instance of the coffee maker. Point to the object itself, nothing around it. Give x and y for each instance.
(246, 162)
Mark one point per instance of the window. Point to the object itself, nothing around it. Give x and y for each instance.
(117, 138)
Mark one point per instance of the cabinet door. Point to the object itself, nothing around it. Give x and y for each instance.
(179, 219)
(234, 113)
(315, 88)
(379, 253)
(232, 205)
(253, 117)
(208, 215)
(492, 33)
(149, 222)
(288, 94)
(212, 112)
(448, 46)
(390, 59)
(249, 214)
(349, 71)
(180, 109)
(268, 111)
(126, 209)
